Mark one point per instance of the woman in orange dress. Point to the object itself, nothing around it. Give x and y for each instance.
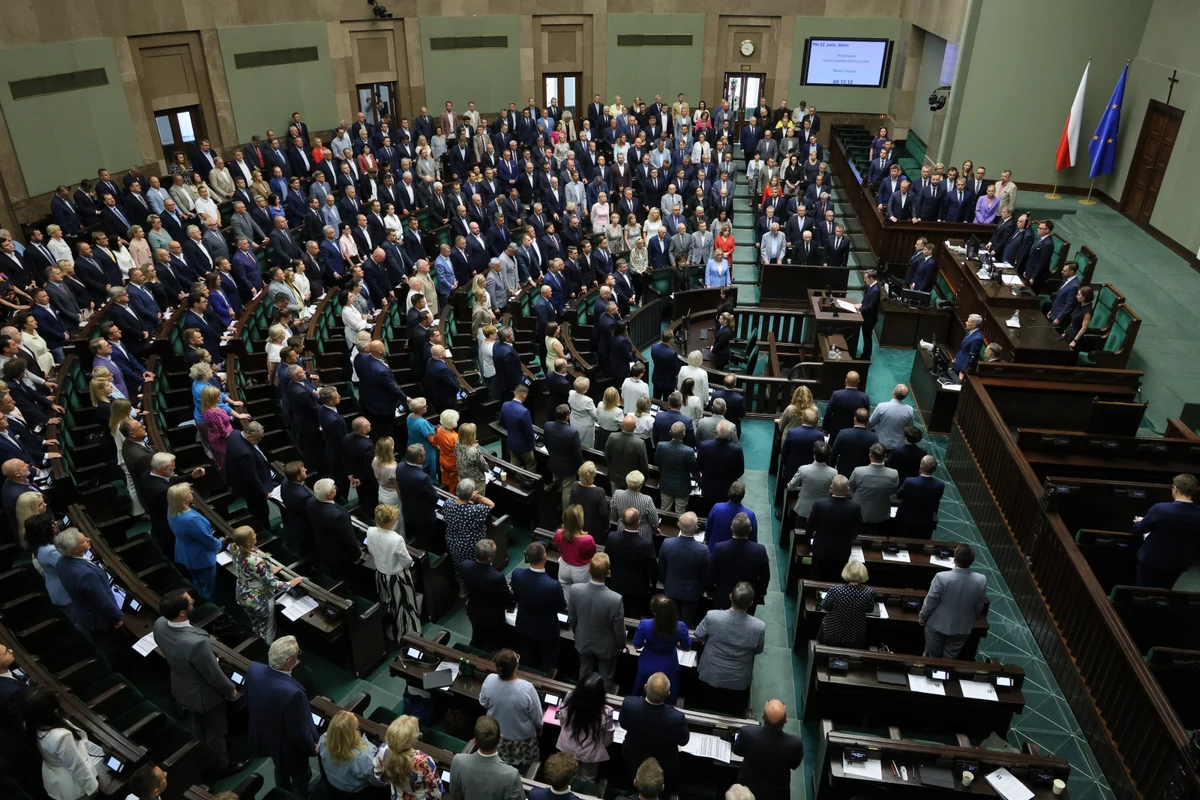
(444, 439)
(774, 189)
(724, 242)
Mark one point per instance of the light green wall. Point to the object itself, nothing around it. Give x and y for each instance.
(932, 55)
(841, 98)
(60, 138)
(1025, 61)
(265, 97)
(647, 71)
(1167, 45)
(490, 77)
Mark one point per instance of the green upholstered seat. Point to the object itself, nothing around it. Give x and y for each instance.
(1115, 339)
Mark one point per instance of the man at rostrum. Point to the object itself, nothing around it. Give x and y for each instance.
(197, 682)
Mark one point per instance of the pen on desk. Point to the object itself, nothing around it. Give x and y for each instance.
(894, 771)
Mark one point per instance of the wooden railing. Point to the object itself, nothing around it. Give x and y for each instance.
(1136, 737)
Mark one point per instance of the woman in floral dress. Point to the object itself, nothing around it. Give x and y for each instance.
(399, 765)
(256, 583)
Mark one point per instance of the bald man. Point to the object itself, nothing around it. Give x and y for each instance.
(653, 729)
(769, 754)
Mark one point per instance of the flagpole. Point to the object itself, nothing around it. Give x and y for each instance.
(1088, 201)
(1054, 195)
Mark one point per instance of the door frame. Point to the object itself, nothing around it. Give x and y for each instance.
(199, 131)
(1153, 106)
(561, 77)
(740, 118)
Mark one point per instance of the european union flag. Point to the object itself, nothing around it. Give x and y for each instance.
(1103, 147)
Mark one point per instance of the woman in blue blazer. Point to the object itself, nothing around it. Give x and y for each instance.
(195, 546)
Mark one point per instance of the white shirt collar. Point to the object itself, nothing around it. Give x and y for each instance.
(184, 624)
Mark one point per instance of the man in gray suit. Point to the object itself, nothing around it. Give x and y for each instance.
(244, 225)
(597, 616)
(681, 246)
(625, 453)
(732, 638)
(197, 682)
(214, 241)
(872, 487)
(481, 775)
(955, 600)
(702, 244)
(706, 428)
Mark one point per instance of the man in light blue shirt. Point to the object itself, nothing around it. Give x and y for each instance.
(156, 196)
(446, 282)
(889, 419)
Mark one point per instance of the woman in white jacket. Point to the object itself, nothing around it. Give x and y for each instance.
(583, 412)
(696, 372)
(352, 318)
(69, 771)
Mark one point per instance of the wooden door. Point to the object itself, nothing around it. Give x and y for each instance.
(1160, 128)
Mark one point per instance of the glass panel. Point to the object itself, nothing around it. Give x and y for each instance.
(733, 92)
(366, 104)
(753, 85)
(165, 134)
(384, 92)
(186, 133)
(568, 98)
(551, 89)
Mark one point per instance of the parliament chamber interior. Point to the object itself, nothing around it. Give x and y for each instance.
(421, 400)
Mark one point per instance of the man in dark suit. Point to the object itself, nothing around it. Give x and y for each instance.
(653, 729)
(564, 450)
(919, 500)
(833, 522)
(378, 392)
(248, 473)
(1004, 231)
(906, 459)
(281, 726)
(1064, 299)
(969, 347)
(796, 451)
(665, 418)
(439, 381)
(735, 401)
(633, 563)
(297, 507)
(869, 308)
(735, 560)
(851, 448)
(540, 600)
(960, 203)
(558, 385)
(283, 247)
(682, 563)
(93, 611)
(837, 248)
(1038, 265)
(842, 405)
(931, 203)
(359, 451)
(509, 374)
(418, 498)
(1016, 250)
(1170, 532)
(924, 272)
(901, 205)
(488, 597)
(337, 543)
(720, 463)
(18, 754)
(769, 754)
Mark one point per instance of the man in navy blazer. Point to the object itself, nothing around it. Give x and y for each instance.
(797, 450)
(919, 500)
(1064, 300)
(833, 523)
(418, 498)
(1037, 266)
(960, 203)
(931, 204)
(902, 204)
(924, 272)
(94, 610)
(661, 431)
(971, 344)
(281, 726)
(1171, 532)
(540, 600)
(439, 381)
(509, 374)
(653, 729)
(50, 326)
(378, 392)
(735, 560)
(869, 308)
(358, 451)
(720, 463)
(63, 212)
(682, 563)
(850, 449)
(1016, 250)
(248, 473)
(488, 597)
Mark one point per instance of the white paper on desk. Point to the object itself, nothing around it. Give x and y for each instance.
(952, 387)
(919, 683)
(706, 745)
(1013, 322)
(978, 691)
(983, 274)
(618, 735)
(450, 665)
(145, 645)
(846, 305)
(510, 617)
(1008, 279)
(882, 609)
(938, 561)
(1008, 786)
(856, 554)
(688, 658)
(223, 558)
(902, 556)
(298, 609)
(277, 494)
(871, 769)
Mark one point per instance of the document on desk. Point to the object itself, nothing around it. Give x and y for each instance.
(882, 609)
(706, 745)
(1008, 786)
(919, 683)
(1013, 322)
(901, 556)
(846, 305)
(224, 559)
(856, 554)
(688, 658)
(145, 645)
(300, 607)
(950, 386)
(938, 561)
(1010, 279)
(450, 665)
(871, 769)
(978, 691)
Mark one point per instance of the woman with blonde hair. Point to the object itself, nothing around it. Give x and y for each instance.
(384, 467)
(633, 497)
(444, 440)
(600, 213)
(554, 346)
(411, 773)
(256, 582)
(195, 545)
(608, 416)
(802, 398)
(697, 373)
(575, 547)
(347, 758)
(102, 393)
(58, 247)
(653, 222)
(122, 411)
(393, 575)
(639, 256)
(583, 412)
(594, 502)
(631, 232)
(469, 457)
(29, 504)
(215, 427)
(276, 337)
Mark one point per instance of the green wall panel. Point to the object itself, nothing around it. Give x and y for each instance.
(841, 98)
(489, 76)
(265, 97)
(647, 71)
(60, 138)
(932, 56)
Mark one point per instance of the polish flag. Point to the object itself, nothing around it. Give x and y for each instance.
(1068, 143)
